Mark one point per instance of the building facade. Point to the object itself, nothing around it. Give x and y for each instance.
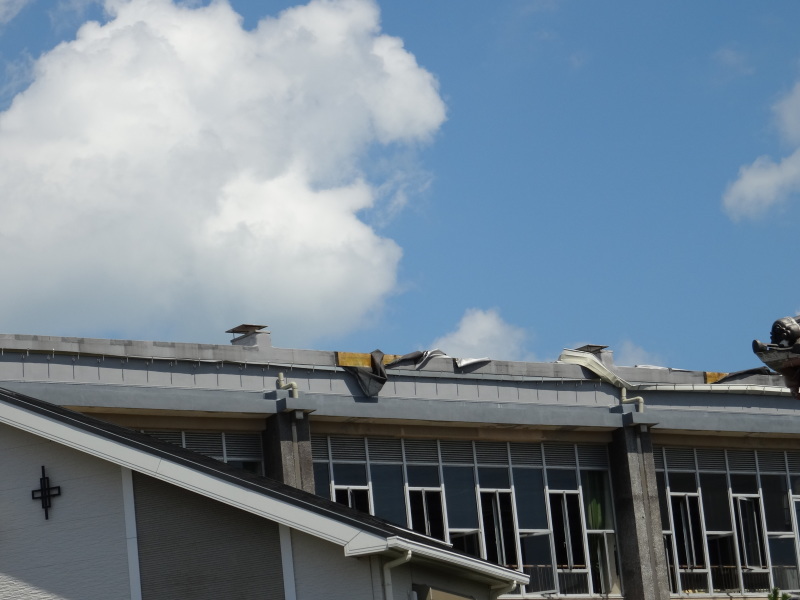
(588, 478)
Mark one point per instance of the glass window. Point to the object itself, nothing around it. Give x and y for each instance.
(422, 476)
(776, 502)
(537, 562)
(682, 482)
(662, 499)
(498, 528)
(347, 474)
(722, 563)
(529, 492)
(751, 536)
(784, 562)
(493, 477)
(603, 563)
(716, 507)
(743, 483)
(322, 480)
(688, 532)
(597, 500)
(567, 533)
(426, 512)
(388, 494)
(354, 498)
(462, 507)
(561, 479)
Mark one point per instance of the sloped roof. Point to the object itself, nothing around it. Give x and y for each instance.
(359, 533)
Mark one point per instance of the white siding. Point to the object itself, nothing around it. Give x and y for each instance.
(80, 552)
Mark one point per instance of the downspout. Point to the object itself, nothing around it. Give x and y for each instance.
(288, 385)
(388, 594)
(503, 588)
(638, 399)
(589, 361)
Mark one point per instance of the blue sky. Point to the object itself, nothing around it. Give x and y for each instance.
(515, 178)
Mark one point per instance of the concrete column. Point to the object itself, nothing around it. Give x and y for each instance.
(287, 449)
(643, 565)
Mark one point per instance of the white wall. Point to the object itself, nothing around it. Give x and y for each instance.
(80, 552)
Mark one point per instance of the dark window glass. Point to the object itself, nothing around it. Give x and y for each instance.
(493, 477)
(722, 563)
(359, 499)
(744, 484)
(529, 490)
(682, 482)
(537, 562)
(426, 512)
(387, 493)
(345, 474)
(662, 499)
(322, 480)
(498, 526)
(596, 499)
(776, 503)
(688, 532)
(561, 479)
(716, 508)
(567, 534)
(784, 563)
(422, 476)
(795, 483)
(468, 542)
(462, 507)
(603, 564)
(751, 536)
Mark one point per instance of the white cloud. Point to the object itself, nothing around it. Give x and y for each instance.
(10, 9)
(762, 185)
(734, 62)
(169, 173)
(766, 183)
(629, 354)
(484, 333)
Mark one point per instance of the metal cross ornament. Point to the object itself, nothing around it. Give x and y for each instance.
(45, 493)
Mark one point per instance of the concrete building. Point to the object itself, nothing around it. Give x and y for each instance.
(577, 477)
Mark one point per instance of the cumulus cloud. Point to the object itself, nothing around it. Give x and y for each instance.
(170, 173)
(734, 62)
(629, 354)
(10, 8)
(766, 183)
(484, 333)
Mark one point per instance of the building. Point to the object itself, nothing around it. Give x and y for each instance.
(578, 477)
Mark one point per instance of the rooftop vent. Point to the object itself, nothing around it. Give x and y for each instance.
(250, 335)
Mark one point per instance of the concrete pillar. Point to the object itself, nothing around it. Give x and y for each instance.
(287, 449)
(643, 565)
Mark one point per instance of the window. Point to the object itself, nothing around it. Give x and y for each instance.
(543, 509)
(239, 449)
(728, 519)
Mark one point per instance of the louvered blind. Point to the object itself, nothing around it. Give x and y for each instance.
(559, 455)
(348, 448)
(709, 459)
(593, 456)
(491, 453)
(243, 446)
(526, 454)
(680, 458)
(384, 450)
(421, 451)
(456, 452)
(741, 460)
(771, 461)
(319, 447)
